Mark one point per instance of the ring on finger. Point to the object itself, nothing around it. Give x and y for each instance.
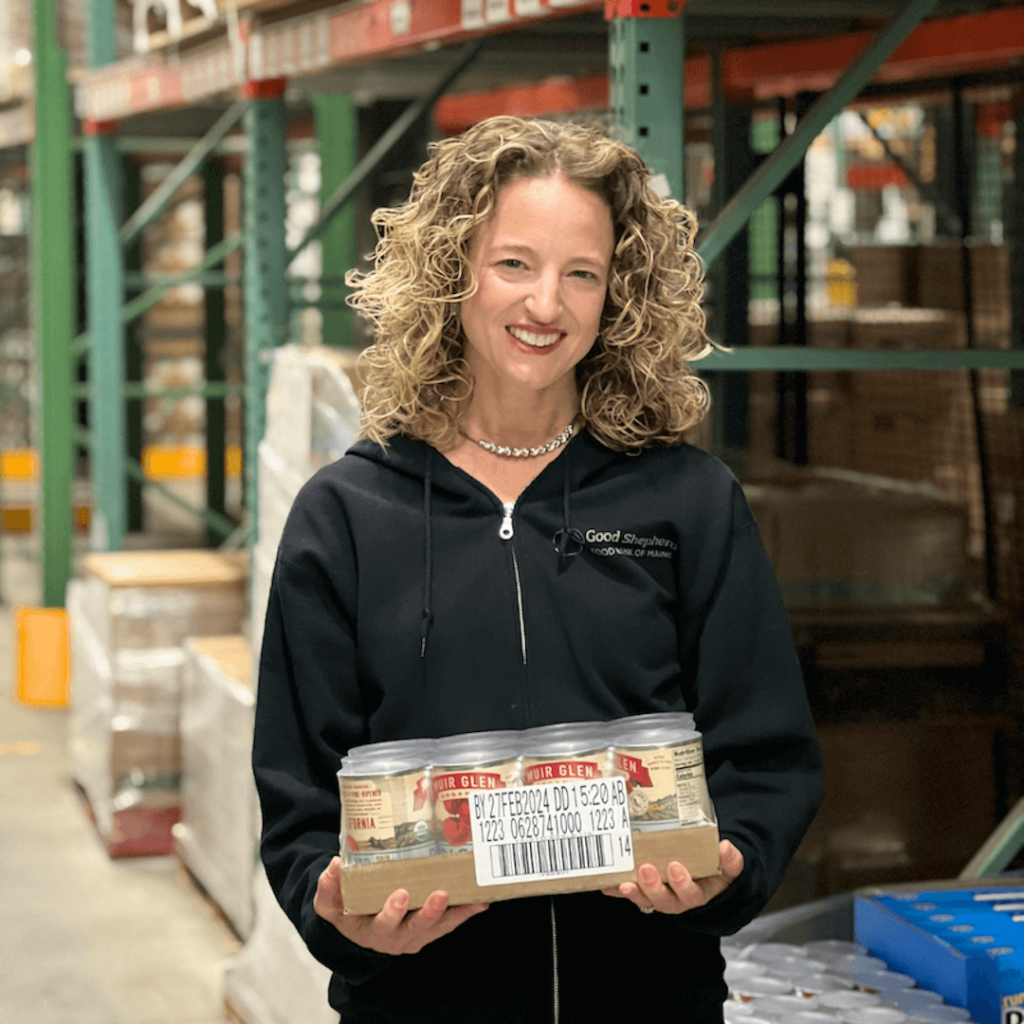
(647, 910)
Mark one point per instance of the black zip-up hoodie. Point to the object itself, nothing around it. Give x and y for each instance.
(407, 601)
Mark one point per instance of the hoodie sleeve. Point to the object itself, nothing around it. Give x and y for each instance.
(308, 713)
(761, 753)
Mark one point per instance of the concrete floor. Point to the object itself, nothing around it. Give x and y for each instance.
(85, 939)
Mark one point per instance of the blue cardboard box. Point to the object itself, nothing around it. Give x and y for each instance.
(987, 979)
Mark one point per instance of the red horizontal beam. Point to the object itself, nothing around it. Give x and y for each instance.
(941, 47)
(873, 177)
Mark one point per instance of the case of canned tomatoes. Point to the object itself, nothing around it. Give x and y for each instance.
(500, 815)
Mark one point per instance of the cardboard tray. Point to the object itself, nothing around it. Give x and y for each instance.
(365, 887)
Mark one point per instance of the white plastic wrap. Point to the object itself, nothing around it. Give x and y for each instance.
(217, 836)
(147, 617)
(275, 980)
(263, 558)
(278, 485)
(312, 408)
(123, 733)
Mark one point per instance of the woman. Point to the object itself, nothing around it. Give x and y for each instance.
(484, 559)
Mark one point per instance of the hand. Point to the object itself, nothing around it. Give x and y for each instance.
(683, 892)
(392, 930)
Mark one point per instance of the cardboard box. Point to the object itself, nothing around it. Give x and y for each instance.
(844, 538)
(992, 991)
(365, 887)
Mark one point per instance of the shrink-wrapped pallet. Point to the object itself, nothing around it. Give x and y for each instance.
(217, 835)
(130, 616)
(274, 979)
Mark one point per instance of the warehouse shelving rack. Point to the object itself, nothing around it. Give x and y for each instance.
(245, 66)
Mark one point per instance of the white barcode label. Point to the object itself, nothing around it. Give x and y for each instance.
(553, 830)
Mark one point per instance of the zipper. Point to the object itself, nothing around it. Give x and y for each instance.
(554, 959)
(506, 532)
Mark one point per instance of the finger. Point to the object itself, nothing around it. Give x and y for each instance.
(393, 912)
(327, 900)
(651, 886)
(686, 889)
(730, 860)
(428, 915)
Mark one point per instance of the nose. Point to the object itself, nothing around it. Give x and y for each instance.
(544, 298)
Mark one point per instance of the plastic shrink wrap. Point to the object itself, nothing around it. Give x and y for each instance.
(129, 618)
(217, 835)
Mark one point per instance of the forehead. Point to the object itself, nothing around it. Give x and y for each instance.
(553, 208)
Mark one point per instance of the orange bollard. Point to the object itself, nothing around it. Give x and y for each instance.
(41, 650)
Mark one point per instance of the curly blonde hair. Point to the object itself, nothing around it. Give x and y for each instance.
(635, 386)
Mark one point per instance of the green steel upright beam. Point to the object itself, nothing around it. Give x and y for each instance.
(645, 70)
(53, 292)
(776, 168)
(1014, 217)
(380, 149)
(133, 369)
(213, 190)
(337, 132)
(266, 260)
(104, 285)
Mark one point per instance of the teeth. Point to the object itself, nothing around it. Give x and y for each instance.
(536, 340)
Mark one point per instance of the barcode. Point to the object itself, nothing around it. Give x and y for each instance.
(551, 856)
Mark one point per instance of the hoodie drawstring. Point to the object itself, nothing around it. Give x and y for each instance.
(568, 542)
(427, 616)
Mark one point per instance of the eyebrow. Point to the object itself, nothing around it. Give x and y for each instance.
(526, 250)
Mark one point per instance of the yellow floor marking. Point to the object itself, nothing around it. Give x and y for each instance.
(20, 747)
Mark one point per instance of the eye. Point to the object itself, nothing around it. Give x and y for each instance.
(584, 275)
(512, 264)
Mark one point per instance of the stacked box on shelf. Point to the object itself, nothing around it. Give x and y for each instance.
(216, 836)
(840, 538)
(885, 274)
(130, 615)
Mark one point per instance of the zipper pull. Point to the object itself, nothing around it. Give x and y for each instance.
(506, 531)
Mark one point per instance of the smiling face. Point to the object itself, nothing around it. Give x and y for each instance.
(541, 264)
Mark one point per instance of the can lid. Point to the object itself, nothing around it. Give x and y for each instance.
(656, 719)
(664, 734)
(388, 748)
(874, 1015)
(386, 764)
(571, 738)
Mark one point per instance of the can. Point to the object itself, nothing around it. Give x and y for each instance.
(882, 982)
(874, 1015)
(565, 753)
(664, 770)
(464, 765)
(421, 749)
(386, 810)
(818, 984)
(782, 1007)
(759, 987)
(846, 999)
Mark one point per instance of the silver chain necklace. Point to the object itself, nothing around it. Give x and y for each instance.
(530, 453)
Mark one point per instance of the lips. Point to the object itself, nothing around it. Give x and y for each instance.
(535, 339)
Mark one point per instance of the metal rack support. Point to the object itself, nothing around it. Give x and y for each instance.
(645, 68)
(266, 261)
(778, 166)
(337, 132)
(104, 289)
(53, 290)
(384, 145)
